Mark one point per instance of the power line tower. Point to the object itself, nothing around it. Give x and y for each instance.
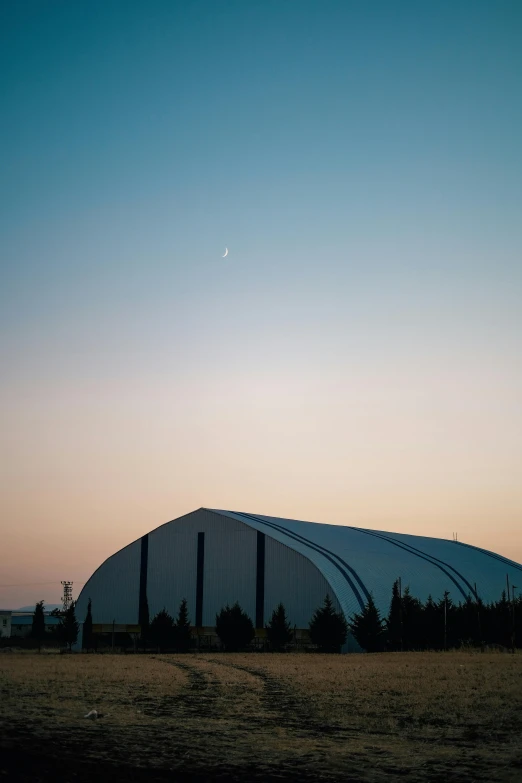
(67, 595)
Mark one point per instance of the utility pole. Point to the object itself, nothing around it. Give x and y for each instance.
(400, 607)
(67, 595)
(513, 588)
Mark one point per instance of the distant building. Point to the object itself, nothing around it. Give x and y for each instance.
(20, 623)
(5, 623)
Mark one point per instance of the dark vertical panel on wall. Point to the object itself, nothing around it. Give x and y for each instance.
(260, 580)
(199, 580)
(144, 564)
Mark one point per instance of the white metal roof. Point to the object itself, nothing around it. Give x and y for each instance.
(358, 561)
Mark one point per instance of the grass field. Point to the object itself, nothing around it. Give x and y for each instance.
(424, 716)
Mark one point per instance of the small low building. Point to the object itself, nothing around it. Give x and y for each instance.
(22, 623)
(5, 623)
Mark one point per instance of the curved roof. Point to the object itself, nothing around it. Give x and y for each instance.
(357, 561)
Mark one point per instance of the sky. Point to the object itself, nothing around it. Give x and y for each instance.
(356, 358)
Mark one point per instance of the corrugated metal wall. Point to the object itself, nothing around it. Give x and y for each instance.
(229, 574)
(171, 573)
(229, 570)
(292, 579)
(343, 584)
(114, 588)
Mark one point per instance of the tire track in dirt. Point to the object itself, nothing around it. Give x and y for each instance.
(297, 712)
(254, 700)
(200, 695)
(253, 713)
(277, 701)
(237, 700)
(293, 712)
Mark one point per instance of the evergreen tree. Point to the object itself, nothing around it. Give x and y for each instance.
(466, 622)
(144, 620)
(69, 626)
(432, 639)
(502, 621)
(161, 630)
(38, 627)
(328, 628)
(412, 627)
(368, 627)
(234, 628)
(444, 625)
(278, 631)
(518, 621)
(394, 620)
(87, 628)
(481, 610)
(182, 634)
(488, 624)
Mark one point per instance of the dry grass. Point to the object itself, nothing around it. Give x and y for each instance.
(428, 716)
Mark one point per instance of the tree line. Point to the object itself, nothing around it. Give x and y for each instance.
(438, 624)
(328, 629)
(409, 625)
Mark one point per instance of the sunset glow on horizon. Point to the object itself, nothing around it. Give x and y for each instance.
(355, 359)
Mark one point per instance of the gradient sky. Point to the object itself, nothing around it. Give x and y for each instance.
(355, 359)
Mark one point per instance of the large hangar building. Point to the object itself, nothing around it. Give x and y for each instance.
(213, 557)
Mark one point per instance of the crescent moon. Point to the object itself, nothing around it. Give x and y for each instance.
(226, 253)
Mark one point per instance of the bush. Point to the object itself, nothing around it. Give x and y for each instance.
(161, 631)
(234, 628)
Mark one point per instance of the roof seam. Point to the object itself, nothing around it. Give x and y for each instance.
(317, 548)
(416, 553)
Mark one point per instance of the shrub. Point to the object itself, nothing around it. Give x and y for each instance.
(161, 630)
(234, 628)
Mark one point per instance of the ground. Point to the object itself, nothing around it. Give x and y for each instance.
(419, 716)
